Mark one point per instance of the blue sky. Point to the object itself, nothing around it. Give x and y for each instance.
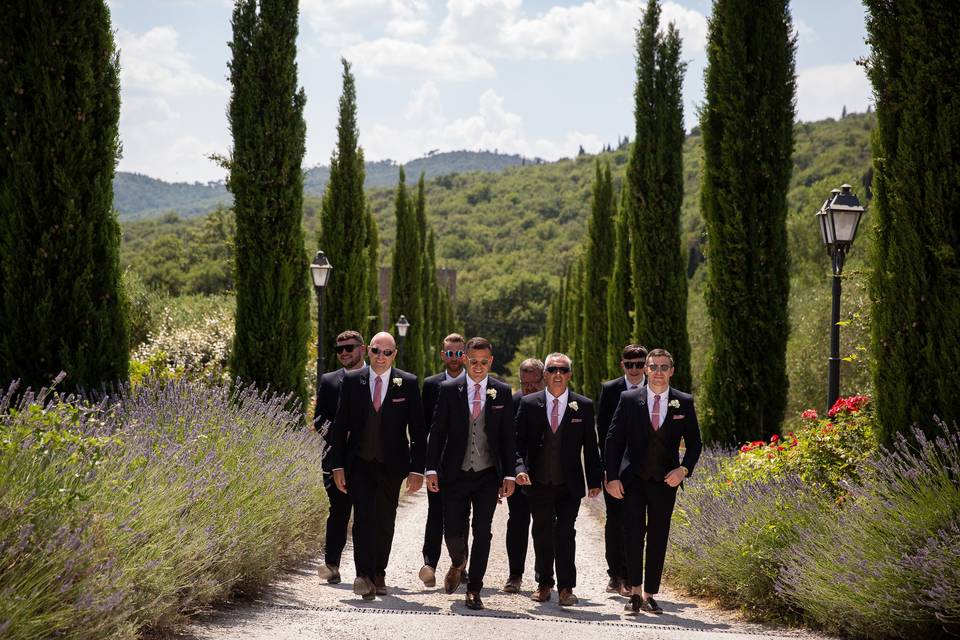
(521, 76)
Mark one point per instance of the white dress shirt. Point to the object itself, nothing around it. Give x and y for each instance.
(385, 380)
(561, 407)
(664, 399)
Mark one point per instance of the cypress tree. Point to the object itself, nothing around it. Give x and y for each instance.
(427, 277)
(573, 322)
(61, 307)
(373, 279)
(437, 330)
(344, 224)
(915, 285)
(405, 298)
(266, 179)
(597, 269)
(619, 291)
(747, 125)
(655, 174)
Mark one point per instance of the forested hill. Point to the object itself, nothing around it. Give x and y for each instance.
(138, 196)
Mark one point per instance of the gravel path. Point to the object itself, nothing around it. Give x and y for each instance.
(300, 606)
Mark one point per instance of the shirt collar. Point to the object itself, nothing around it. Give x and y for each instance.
(383, 376)
(663, 396)
(447, 377)
(470, 385)
(562, 397)
(630, 384)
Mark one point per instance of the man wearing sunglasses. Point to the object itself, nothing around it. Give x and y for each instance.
(556, 443)
(646, 431)
(614, 532)
(518, 522)
(473, 449)
(350, 352)
(378, 438)
(451, 353)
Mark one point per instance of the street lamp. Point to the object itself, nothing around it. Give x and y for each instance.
(403, 325)
(839, 218)
(320, 270)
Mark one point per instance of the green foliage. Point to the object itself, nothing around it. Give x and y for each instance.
(373, 279)
(61, 302)
(406, 295)
(619, 300)
(655, 177)
(266, 120)
(750, 79)
(916, 267)
(344, 228)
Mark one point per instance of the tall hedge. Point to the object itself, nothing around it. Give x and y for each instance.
(747, 124)
(266, 179)
(655, 174)
(619, 289)
(598, 266)
(61, 307)
(915, 284)
(405, 287)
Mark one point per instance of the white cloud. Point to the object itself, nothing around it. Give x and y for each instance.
(342, 22)
(404, 28)
(823, 91)
(389, 56)
(153, 63)
(425, 104)
(806, 36)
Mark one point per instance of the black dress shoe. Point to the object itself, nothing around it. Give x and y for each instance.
(513, 584)
(633, 606)
(473, 601)
(613, 586)
(650, 605)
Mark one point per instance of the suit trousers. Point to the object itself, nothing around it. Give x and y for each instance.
(615, 537)
(648, 509)
(433, 530)
(554, 513)
(518, 532)
(338, 517)
(375, 492)
(479, 490)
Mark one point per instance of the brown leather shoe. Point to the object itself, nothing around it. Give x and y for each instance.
(330, 573)
(473, 601)
(614, 585)
(566, 598)
(453, 578)
(380, 586)
(513, 584)
(625, 589)
(428, 575)
(364, 588)
(542, 594)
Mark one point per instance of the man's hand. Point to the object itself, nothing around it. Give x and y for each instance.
(523, 478)
(593, 492)
(414, 482)
(433, 483)
(615, 489)
(340, 479)
(675, 477)
(506, 488)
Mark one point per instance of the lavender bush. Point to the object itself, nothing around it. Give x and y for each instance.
(120, 515)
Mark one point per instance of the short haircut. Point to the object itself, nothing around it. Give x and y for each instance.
(453, 337)
(531, 365)
(634, 352)
(660, 353)
(350, 334)
(481, 344)
(557, 354)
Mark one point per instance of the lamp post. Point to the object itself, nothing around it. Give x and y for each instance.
(320, 270)
(839, 218)
(403, 325)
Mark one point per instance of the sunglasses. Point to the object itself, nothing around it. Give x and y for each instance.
(386, 352)
(556, 369)
(474, 361)
(340, 348)
(633, 365)
(662, 367)
(450, 354)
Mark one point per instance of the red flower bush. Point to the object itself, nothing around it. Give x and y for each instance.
(852, 404)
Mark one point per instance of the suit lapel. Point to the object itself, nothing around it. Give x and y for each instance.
(388, 396)
(568, 413)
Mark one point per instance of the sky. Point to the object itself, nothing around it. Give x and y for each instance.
(529, 77)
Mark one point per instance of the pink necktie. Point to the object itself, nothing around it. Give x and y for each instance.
(655, 420)
(476, 401)
(555, 416)
(377, 389)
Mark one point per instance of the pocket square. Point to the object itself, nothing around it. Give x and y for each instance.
(576, 419)
(496, 406)
(399, 399)
(679, 416)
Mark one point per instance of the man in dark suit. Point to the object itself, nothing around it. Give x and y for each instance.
(647, 428)
(614, 531)
(555, 428)
(451, 353)
(518, 522)
(378, 438)
(471, 459)
(350, 352)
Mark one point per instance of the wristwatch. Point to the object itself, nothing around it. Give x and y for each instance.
(686, 471)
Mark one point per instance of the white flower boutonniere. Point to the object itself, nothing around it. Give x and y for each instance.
(573, 405)
(397, 382)
(492, 393)
(675, 404)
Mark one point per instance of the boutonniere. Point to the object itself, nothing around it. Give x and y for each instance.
(573, 405)
(674, 404)
(492, 393)
(397, 382)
